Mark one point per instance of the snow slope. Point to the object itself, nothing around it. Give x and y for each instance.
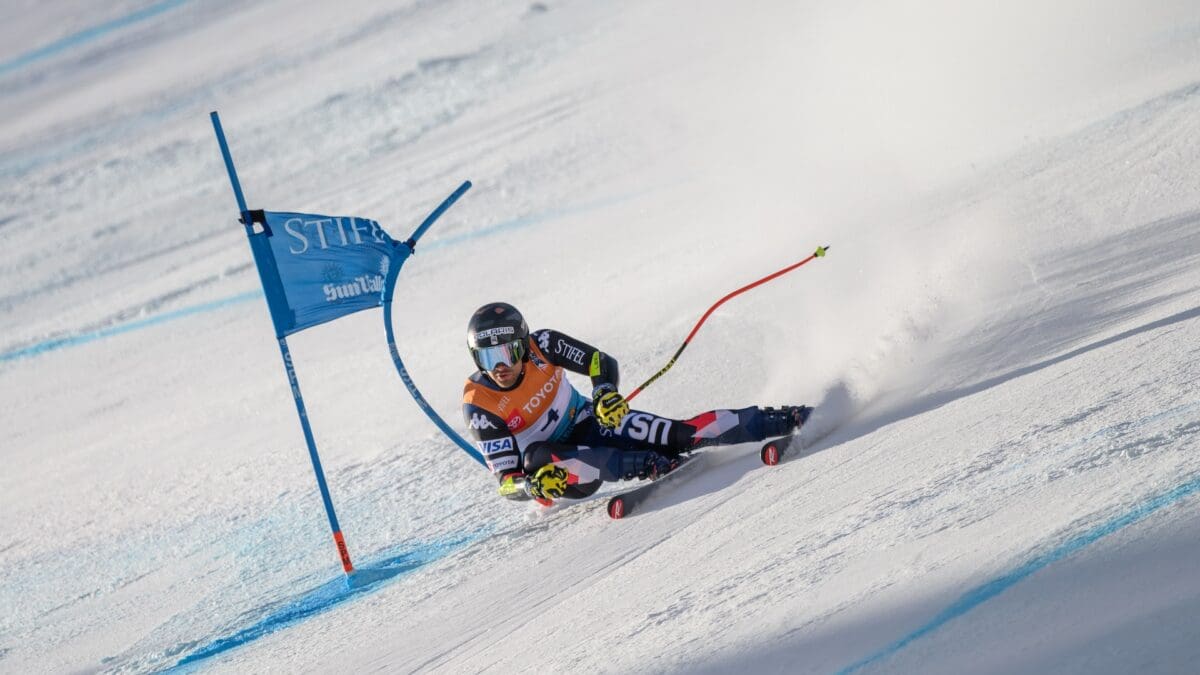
(1002, 342)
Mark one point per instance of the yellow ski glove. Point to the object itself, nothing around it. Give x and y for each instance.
(610, 406)
(550, 482)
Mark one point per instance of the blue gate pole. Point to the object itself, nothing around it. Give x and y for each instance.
(338, 539)
(401, 254)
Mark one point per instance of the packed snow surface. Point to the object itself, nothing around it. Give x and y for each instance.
(1003, 344)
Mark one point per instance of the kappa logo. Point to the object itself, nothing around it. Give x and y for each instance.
(543, 338)
(478, 421)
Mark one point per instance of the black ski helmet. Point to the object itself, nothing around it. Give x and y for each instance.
(496, 323)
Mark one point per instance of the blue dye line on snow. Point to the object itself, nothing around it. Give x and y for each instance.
(333, 593)
(981, 594)
(84, 338)
(498, 228)
(88, 35)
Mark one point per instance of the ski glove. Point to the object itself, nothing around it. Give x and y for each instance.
(609, 405)
(550, 482)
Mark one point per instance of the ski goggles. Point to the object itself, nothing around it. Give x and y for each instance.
(508, 354)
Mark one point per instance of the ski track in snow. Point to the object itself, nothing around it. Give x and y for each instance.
(85, 36)
(1001, 474)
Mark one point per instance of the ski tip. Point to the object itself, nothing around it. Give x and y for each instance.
(616, 508)
(769, 454)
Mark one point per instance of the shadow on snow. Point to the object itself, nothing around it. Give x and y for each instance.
(288, 611)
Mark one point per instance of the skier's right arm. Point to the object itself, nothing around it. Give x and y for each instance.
(499, 450)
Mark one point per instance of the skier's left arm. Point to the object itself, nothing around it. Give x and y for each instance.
(579, 357)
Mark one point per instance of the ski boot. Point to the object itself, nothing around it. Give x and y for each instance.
(784, 423)
(650, 465)
(646, 464)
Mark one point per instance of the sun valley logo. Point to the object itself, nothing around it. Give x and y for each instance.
(360, 285)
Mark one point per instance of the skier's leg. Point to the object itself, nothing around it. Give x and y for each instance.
(587, 467)
(727, 427)
(639, 430)
(645, 431)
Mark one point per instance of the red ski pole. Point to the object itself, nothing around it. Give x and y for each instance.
(819, 253)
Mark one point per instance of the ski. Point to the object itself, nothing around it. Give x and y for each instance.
(773, 451)
(625, 503)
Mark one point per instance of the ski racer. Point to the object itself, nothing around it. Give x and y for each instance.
(545, 440)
